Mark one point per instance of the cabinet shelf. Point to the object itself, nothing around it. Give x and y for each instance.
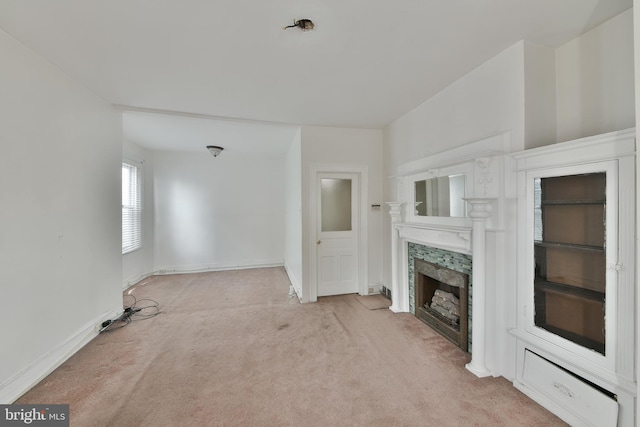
(558, 288)
(572, 202)
(574, 313)
(571, 246)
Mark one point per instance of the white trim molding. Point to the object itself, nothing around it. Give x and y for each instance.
(479, 213)
(363, 236)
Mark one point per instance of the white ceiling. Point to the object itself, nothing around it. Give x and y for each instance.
(367, 63)
(171, 132)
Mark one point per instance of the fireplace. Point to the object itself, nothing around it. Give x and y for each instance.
(441, 300)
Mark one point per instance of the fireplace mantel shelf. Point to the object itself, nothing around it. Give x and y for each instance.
(453, 238)
(452, 228)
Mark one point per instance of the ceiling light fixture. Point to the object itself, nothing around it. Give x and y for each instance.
(303, 24)
(214, 150)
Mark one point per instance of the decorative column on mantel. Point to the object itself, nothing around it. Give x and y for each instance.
(480, 211)
(395, 212)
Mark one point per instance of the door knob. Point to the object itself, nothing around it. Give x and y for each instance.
(318, 242)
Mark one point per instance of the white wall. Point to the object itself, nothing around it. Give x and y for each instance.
(60, 213)
(595, 80)
(218, 213)
(486, 101)
(540, 95)
(636, 38)
(138, 264)
(341, 146)
(293, 214)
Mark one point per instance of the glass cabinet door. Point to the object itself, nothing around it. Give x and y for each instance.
(576, 284)
(570, 257)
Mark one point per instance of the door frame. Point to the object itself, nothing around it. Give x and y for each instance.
(363, 233)
(330, 238)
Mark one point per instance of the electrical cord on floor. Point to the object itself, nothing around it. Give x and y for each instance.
(132, 312)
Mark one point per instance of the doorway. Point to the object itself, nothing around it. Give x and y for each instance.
(338, 254)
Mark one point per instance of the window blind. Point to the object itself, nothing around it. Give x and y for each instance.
(131, 208)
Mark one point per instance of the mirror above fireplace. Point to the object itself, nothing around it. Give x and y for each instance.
(440, 196)
(436, 196)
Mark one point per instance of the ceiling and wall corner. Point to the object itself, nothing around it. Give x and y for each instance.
(363, 66)
(541, 118)
(162, 131)
(595, 80)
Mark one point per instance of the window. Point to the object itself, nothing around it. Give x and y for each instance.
(131, 208)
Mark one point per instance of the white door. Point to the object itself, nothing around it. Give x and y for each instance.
(337, 233)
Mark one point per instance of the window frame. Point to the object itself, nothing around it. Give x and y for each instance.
(135, 207)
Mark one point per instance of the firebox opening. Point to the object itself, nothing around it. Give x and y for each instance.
(443, 306)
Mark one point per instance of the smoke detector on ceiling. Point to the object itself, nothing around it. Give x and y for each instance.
(303, 24)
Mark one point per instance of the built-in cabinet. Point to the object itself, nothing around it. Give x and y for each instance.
(575, 282)
(569, 288)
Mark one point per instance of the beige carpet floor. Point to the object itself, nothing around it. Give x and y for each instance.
(233, 349)
(374, 302)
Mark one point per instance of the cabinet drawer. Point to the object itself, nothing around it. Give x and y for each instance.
(580, 398)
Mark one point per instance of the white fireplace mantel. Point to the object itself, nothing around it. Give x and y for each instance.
(468, 240)
(483, 163)
(451, 238)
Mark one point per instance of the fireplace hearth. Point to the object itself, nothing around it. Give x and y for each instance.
(441, 300)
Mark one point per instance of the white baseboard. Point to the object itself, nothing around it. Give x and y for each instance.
(163, 271)
(23, 381)
(135, 279)
(296, 285)
(203, 268)
(374, 288)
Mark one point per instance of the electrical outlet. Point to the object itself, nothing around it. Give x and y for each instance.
(370, 290)
(99, 326)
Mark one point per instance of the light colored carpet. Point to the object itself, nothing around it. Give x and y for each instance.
(374, 302)
(233, 349)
